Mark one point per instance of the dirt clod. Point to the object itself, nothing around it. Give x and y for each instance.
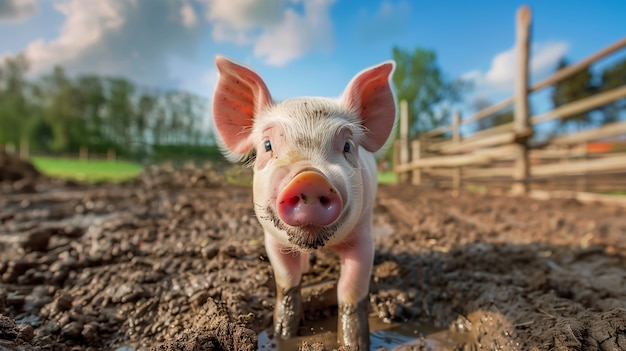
(214, 329)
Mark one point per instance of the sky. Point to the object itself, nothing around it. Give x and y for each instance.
(300, 47)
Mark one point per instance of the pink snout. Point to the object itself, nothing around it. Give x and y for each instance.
(309, 199)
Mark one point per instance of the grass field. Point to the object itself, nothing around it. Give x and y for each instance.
(94, 171)
(387, 177)
(91, 171)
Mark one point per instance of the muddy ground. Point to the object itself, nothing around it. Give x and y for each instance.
(175, 261)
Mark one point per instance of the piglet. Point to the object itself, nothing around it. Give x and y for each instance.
(314, 181)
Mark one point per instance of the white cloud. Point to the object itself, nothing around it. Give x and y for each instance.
(17, 10)
(278, 30)
(188, 15)
(238, 20)
(501, 75)
(547, 56)
(135, 39)
(85, 25)
(297, 34)
(502, 71)
(156, 43)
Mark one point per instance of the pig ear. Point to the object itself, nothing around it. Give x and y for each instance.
(369, 94)
(240, 94)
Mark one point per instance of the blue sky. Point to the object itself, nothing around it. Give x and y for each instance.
(300, 47)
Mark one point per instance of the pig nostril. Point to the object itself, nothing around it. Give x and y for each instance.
(324, 200)
(294, 200)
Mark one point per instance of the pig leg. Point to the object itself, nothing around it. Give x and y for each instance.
(353, 288)
(288, 267)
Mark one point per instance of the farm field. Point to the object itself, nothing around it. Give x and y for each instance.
(91, 171)
(94, 171)
(175, 261)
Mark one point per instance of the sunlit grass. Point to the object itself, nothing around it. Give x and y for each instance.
(95, 171)
(91, 171)
(387, 177)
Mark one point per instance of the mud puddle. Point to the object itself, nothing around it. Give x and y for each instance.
(383, 336)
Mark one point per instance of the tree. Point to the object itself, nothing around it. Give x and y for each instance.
(60, 112)
(16, 110)
(576, 87)
(120, 111)
(429, 94)
(90, 102)
(613, 77)
(146, 109)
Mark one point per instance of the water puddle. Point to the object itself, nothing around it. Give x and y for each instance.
(394, 336)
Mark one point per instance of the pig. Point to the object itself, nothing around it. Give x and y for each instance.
(314, 182)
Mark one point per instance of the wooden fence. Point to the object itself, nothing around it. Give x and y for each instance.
(506, 157)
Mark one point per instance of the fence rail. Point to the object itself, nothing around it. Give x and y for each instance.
(505, 157)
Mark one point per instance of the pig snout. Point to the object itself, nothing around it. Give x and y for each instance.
(309, 200)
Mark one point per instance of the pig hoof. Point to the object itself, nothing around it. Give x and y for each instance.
(353, 329)
(288, 312)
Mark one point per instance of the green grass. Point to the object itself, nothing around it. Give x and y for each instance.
(91, 171)
(95, 171)
(615, 192)
(387, 177)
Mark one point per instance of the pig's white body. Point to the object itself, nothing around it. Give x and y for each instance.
(314, 181)
(357, 186)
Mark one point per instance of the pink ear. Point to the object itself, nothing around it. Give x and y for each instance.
(370, 95)
(239, 95)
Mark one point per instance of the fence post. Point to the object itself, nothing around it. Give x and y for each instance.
(404, 139)
(416, 154)
(456, 138)
(396, 157)
(521, 123)
(83, 153)
(24, 149)
(581, 183)
(111, 155)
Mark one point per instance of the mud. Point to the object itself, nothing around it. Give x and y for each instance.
(175, 261)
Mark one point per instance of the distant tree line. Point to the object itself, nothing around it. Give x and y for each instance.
(57, 114)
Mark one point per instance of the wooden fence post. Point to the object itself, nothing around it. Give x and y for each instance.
(24, 149)
(521, 123)
(456, 138)
(581, 183)
(111, 155)
(404, 139)
(416, 154)
(395, 162)
(83, 153)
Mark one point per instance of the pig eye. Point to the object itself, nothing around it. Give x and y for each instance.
(346, 147)
(268, 145)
